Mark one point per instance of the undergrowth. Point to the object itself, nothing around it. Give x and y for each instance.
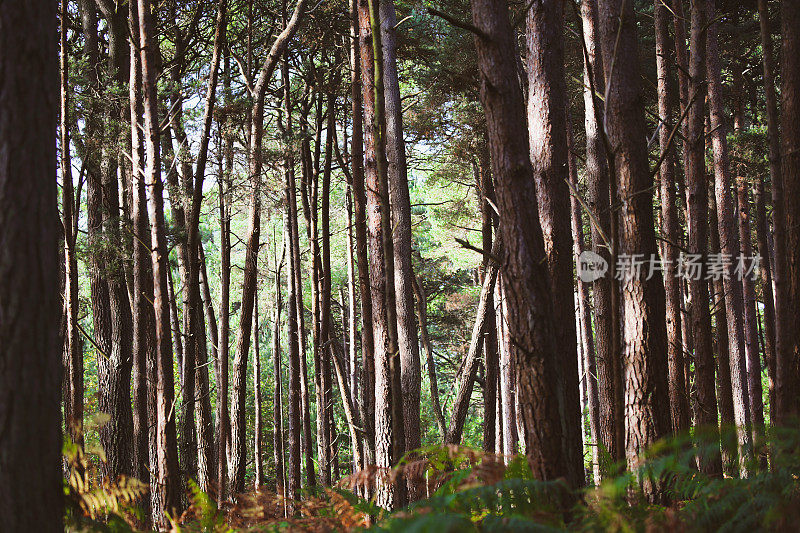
(461, 489)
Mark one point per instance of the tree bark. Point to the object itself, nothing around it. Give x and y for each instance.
(528, 293)
(679, 404)
(645, 348)
(606, 313)
(167, 486)
(547, 115)
(754, 389)
(729, 243)
(31, 495)
(407, 338)
(697, 214)
(788, 361)
(73, 358)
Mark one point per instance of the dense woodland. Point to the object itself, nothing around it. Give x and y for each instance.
(446, 265)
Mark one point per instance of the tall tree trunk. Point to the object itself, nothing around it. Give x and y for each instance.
(167, 486)
(361, 54)
(765, 272)
(679, 404)
(778, 209)
(31, 496)
(144, 341)
(645, 351)
(788, 362)
(277, 396)
(589, 357)
(296, 404)
(606, 312)
(528, 293)
(73, 358)
(407, 339)
(422, 311)
(379, 242)
(238, 413)
(750, 317)
(547, 114)
(697, 210)
(729, 243)
(723, 367)
(258, 419)
(325, 312)
(507, 387)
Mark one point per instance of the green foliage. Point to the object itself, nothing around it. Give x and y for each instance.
(90, 497)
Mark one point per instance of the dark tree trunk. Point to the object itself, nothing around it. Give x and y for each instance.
(645, 351)
(754, 389)
(589, 358)
(73, 358)
(697, 213)
(547, 114)
(788, 361)
(526, 278)
(724, 389)
(729, 243)
(31, 495)
(606, 313)
(765, 272)
(679, 404)
(778, 209)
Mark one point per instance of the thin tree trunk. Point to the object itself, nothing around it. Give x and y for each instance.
(679, 404)
(277, 397)
(750, 318)
(470, 364)
(729, 243)
(697, 210)
(422, 311)
(606, 313)
(765, 272)
(167, 486)
(73, 358)
(258, 419)
(31, 495)
(589, 357)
